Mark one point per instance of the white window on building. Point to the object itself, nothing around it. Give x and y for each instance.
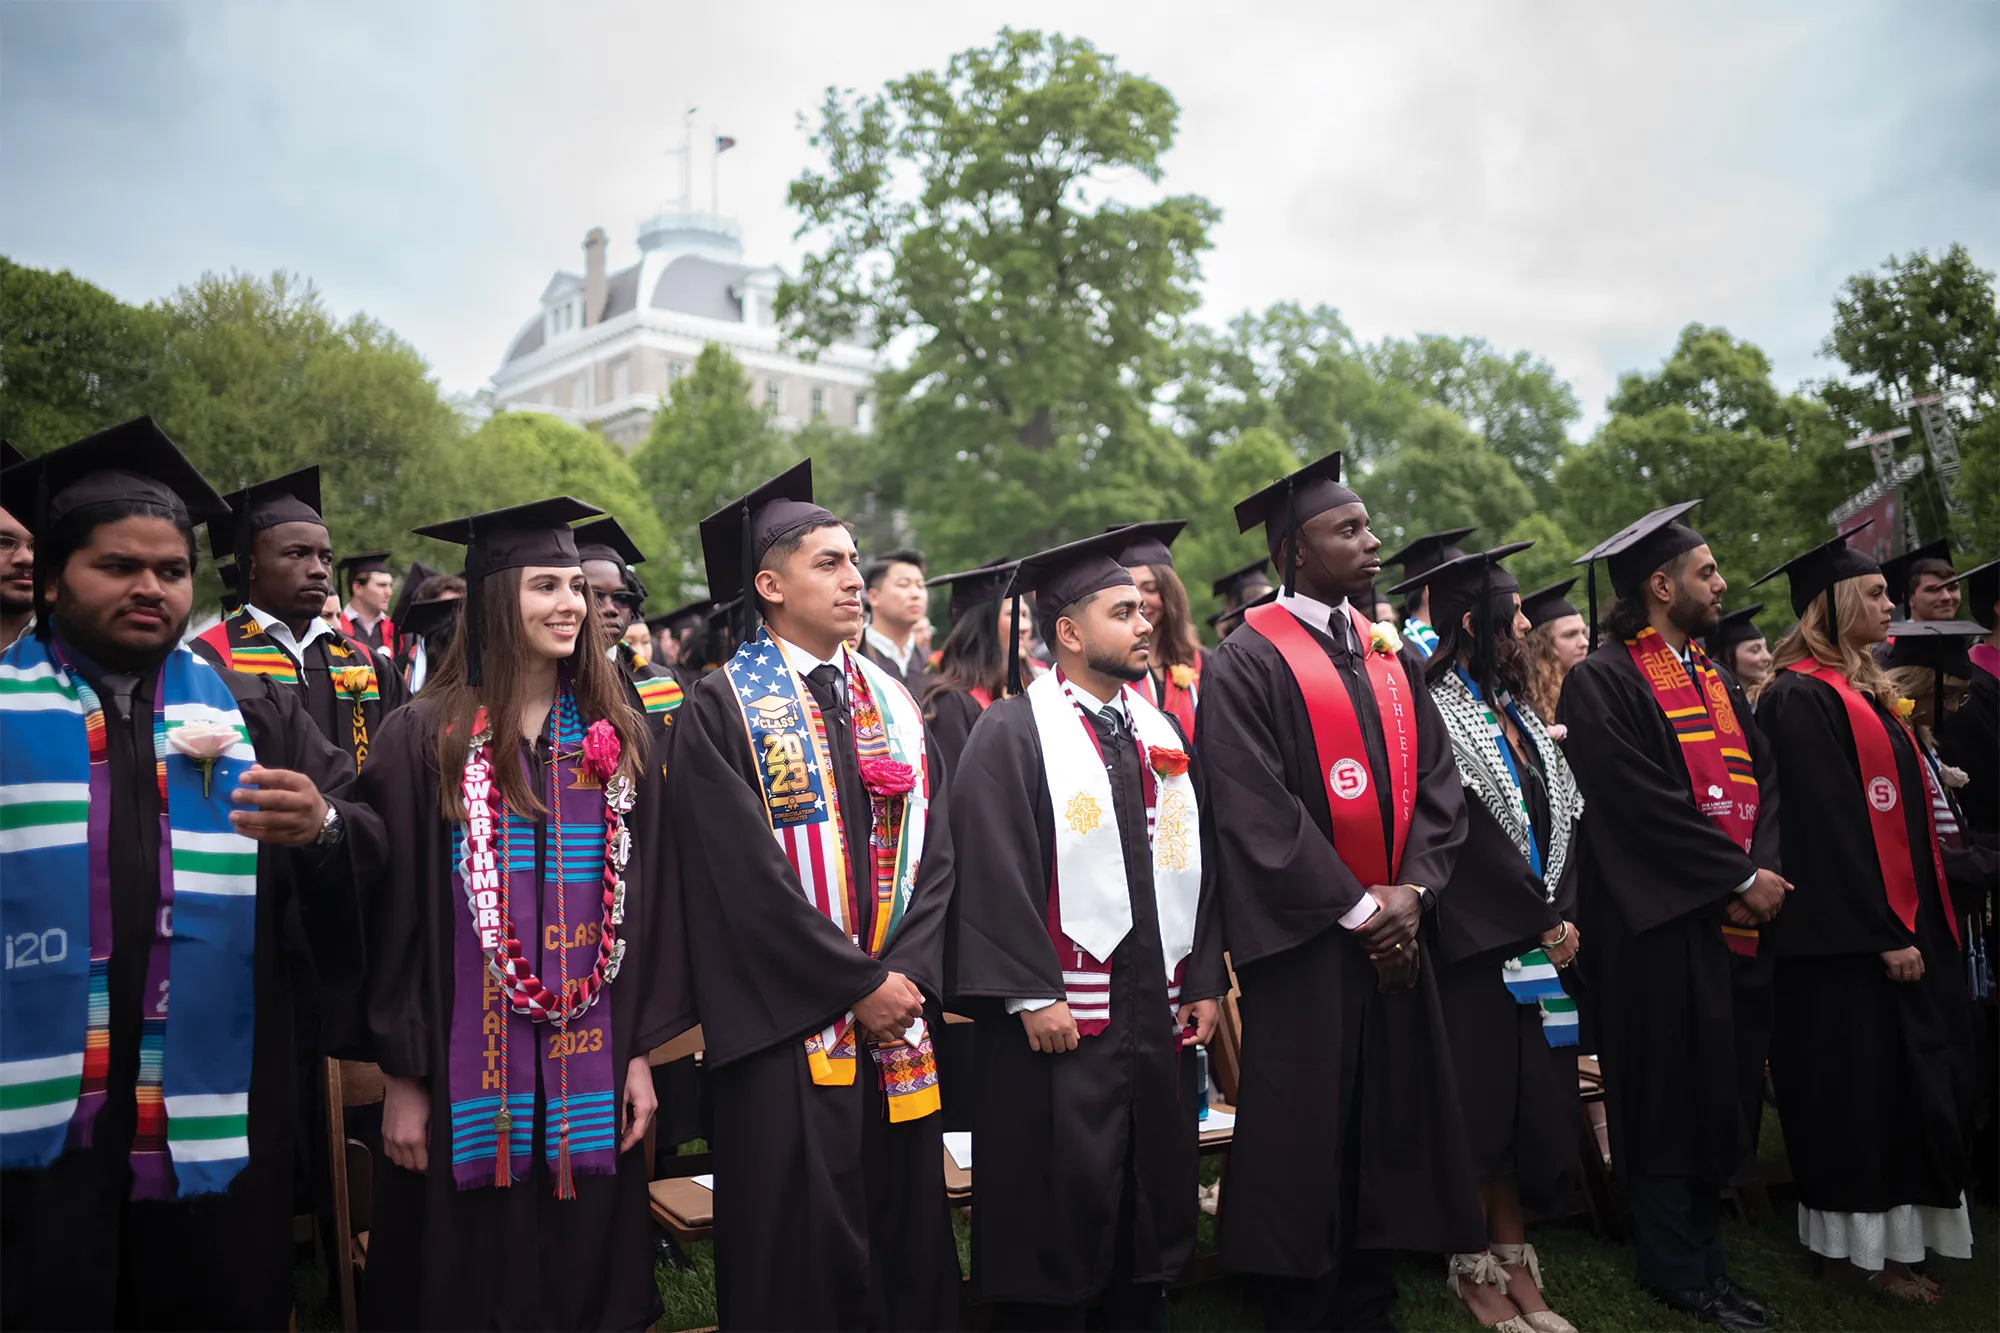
(819, 403)
(771, 395)
(621, 379)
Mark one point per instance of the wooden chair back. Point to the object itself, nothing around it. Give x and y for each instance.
(349, 1083)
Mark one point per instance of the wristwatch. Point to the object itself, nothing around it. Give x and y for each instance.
(1425, 898)
(330, 828)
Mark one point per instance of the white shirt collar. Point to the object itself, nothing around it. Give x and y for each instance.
(1088, 703)
(805, 663)
(886, 646)
(366, 622)
(1319, 615)
(281, 633)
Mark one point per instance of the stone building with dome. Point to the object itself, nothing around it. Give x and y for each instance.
(604, 348)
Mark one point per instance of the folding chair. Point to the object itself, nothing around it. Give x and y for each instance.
(350, 1083)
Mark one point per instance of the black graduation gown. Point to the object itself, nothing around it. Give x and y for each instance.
(333, 715)
(1518, 1092)
(443, 1257)
(1348, 1131)
(916, 676)
(74, 1251)
(950, 715)
(826, 1215)
(1653, 876)
(1970, 740)
(1058, 1137)
(1874, 1077)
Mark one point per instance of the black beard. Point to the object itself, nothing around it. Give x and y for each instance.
(1691, 615)
(86, 640)
(1117, 668)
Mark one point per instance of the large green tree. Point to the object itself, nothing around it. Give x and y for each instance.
(1517, 404)
(709, 443)
(73, 357)
(969, 215)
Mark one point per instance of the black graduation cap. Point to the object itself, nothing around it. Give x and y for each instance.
(1433, 548)
(971, 587)
(131, 461)
(512, 538)
(1981, 589)
(1546, 604)
(1739, 626)
(1147, 543)
(413, 582)
(427, 617)
(1062, 575)
(9, 455)
(292, 498)
(1816, 571)
(681, 618)
(1634, 551)
(1468, 583)
(1230, 586)
(232, 600)
(1896, 569)
(603, 539)
(1940, 646)
(735, 538)
(1290, 501)
(353, 566)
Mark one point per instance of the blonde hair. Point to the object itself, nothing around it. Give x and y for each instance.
(1809, 639)
(1545, 674)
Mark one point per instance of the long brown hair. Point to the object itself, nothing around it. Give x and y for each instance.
(1545, 673)
(1175, 642)
(1810, 639)
(594, 680)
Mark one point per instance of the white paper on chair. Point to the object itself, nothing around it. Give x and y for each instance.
(706, 1182)
(958, 1142)
(1217, 1120)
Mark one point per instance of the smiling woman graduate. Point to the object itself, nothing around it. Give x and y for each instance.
(523, 959)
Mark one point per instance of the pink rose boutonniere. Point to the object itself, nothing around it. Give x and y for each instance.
(886, 777)
(600, 749)
(204, 743)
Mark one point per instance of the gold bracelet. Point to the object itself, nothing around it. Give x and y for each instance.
(1559, 940)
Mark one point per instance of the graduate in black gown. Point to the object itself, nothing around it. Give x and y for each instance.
(369, 584)
(898, 636)
(608, 559)
(1417, 556)
(1506, 930)
(98, 1238)
(1872, 1056)
(1087, 963)
(1349, 1138)
(1969, 739)
(814, 959)
(972, 665)
(1674, 875)
(512, 995)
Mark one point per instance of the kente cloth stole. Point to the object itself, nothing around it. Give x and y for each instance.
(1883, 791)
(1090, 905)
(661, 694)
(555, 910)
(1486, 764)
(1173, 698)
(193, 1089)
(1371, 852)
(1720, 772)
(788, 740)
(241, 642)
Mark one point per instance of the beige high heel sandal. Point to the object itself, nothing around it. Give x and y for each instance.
(1478, 1268)
(1524, 1256)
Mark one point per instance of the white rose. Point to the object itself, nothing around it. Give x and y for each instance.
(204, 742)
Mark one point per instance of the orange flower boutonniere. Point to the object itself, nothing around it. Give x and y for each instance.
(1167, 762)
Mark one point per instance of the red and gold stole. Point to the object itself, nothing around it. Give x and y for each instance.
(1883, 791)
(1720, 773)
(1358, 835)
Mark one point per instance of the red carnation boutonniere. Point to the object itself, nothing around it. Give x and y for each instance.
(600, 749)
(886, 777)
(1166, 761)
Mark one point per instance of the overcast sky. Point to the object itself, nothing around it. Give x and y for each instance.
(1578, 180)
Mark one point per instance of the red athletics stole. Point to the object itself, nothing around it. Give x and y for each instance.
(981, 696)
(1720, 772)
(1357, 825)
(1879, 784)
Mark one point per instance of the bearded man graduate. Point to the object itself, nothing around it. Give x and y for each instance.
(817, 882)
(1679, 866)
(1331, 813)
(163, 820)
(1079, 910)
(284, 563)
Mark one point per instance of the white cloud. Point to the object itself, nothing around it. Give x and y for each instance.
(1579, 181)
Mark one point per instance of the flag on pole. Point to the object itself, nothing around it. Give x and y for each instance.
(723, 143)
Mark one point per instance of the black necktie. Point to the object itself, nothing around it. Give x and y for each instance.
(829, 688)
(122, 687)
(1109, 725)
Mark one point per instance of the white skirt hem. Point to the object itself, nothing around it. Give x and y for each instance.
(1901, 1235)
